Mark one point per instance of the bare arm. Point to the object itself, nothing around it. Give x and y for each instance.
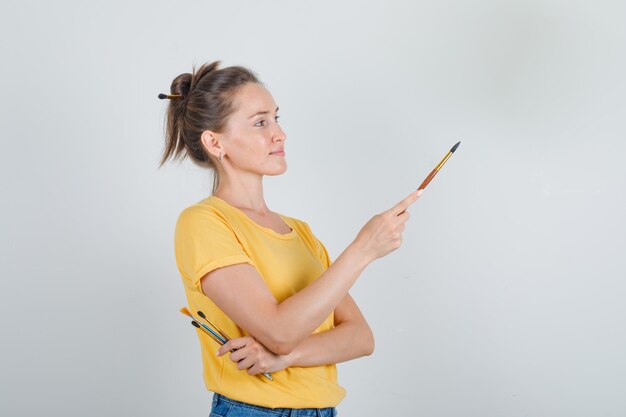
(240, 292)
(351, 338)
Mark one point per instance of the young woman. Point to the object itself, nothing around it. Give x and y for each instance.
(263, 277)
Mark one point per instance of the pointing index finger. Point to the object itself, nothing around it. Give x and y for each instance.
(405, 203)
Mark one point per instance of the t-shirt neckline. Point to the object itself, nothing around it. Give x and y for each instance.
(288, 235)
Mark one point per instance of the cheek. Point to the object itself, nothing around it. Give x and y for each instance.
(255, 149)
(251, 148)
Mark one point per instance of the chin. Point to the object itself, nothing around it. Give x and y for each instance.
(278, 171)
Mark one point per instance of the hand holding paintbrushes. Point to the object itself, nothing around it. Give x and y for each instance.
(215, 332)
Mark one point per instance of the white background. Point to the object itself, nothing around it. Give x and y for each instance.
(507, 296)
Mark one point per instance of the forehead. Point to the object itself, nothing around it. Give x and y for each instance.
(253, 97)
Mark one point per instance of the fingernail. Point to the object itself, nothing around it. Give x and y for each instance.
(217, 353)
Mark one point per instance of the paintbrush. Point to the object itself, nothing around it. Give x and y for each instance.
(216, 336)
(438, 167)
(212, 335)
(436, 170)
(220, 338)
(201, 314)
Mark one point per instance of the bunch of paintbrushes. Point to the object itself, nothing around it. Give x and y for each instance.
(214, 333)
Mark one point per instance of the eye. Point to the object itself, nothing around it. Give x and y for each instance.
(263, 121)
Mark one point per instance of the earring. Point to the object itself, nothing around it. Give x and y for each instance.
(220, 157)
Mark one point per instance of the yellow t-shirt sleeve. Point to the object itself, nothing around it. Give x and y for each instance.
(204, 241)
(323, 254)
(320, 249)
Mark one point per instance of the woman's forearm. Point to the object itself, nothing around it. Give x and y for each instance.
(349, 340)
(299, 315)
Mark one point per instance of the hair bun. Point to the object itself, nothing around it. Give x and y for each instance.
(181, 85)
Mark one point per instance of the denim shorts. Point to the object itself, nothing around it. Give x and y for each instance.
(226, 407)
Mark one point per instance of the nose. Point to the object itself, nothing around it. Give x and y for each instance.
(279, 133)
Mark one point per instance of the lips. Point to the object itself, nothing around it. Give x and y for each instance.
(278, 151)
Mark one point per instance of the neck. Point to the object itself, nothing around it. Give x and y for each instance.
(246, 195)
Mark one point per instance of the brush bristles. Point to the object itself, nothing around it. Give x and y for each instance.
(220, 331)
(208, 333)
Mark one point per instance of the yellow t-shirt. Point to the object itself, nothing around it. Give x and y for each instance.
(212, 234)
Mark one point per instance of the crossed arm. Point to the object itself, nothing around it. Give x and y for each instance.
(350, 338)
(264, 318)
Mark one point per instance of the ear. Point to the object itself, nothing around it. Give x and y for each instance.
(211, 143)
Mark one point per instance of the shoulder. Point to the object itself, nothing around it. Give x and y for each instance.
(205, 211)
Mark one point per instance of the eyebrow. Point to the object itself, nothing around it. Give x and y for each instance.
(260, 112)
